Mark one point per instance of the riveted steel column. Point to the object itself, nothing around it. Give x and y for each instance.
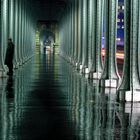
(28, 29)
(25, 41)
(78, 33)
(32, 40)
(25, 35)
(75, 33)
(12, 26)
(62, 37)
(22, 30)
(67, 35)
(24, 46)
(28, 44)
(4, 35)
(16, 34)
(4, 28)
(19, 32)
(12, 14)
(110, 76)
(65, 41)
(61, 49)
(34, 35)
(71, 37)
(130, 80)
(98, 46)
(69, 32)
(1, 47)
(72, 31)
(11, 19)
(84, 37)
(92, 15)
(80, 3)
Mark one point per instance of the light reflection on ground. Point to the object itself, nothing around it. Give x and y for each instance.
(49, 99)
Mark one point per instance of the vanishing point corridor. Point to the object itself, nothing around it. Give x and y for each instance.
(36, 103)
(47, 99)
(70, 70)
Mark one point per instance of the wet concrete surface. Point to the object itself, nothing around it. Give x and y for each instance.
(47, 99)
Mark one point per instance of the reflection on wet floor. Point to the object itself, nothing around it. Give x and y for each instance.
(48, 99)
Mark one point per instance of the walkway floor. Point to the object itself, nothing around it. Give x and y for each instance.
(47, 99)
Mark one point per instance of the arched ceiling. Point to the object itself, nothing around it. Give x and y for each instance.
(50, 9)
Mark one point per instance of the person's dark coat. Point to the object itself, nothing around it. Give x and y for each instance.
(9, 54)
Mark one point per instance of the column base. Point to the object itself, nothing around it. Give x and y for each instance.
(95, 82)
(81, 66)
(97, 75)
(3, 74)
(72, 62)
(16, 66)
(109, 83)
(111, 93)
(86, 75)
(132, 108)
(77, 66)
(129, 96)
(90, 75)
(85, 70)
(20, 63)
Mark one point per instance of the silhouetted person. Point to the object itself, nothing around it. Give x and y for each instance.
(9, 56)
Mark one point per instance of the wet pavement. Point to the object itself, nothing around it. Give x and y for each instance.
(47, 99)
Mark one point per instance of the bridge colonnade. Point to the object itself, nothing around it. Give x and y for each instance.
(81, 29)
(16, 22)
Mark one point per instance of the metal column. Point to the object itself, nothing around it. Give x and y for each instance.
(16, 34)
(84, 37)
(92, 19)
(80, 20)
(110, 75)
(98, 46)
(19, 33)
(22, 30)
(75, 32)
(4, 35)
(72, 33)
(130, 84)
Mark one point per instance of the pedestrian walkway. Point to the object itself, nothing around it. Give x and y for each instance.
(47, 99)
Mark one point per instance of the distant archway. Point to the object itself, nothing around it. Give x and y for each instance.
(47, 38)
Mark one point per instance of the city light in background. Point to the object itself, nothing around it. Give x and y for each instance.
(120, 26)
(120, 23)
(120, 33)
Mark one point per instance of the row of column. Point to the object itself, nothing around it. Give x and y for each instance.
(17, 22)
(81, 41)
